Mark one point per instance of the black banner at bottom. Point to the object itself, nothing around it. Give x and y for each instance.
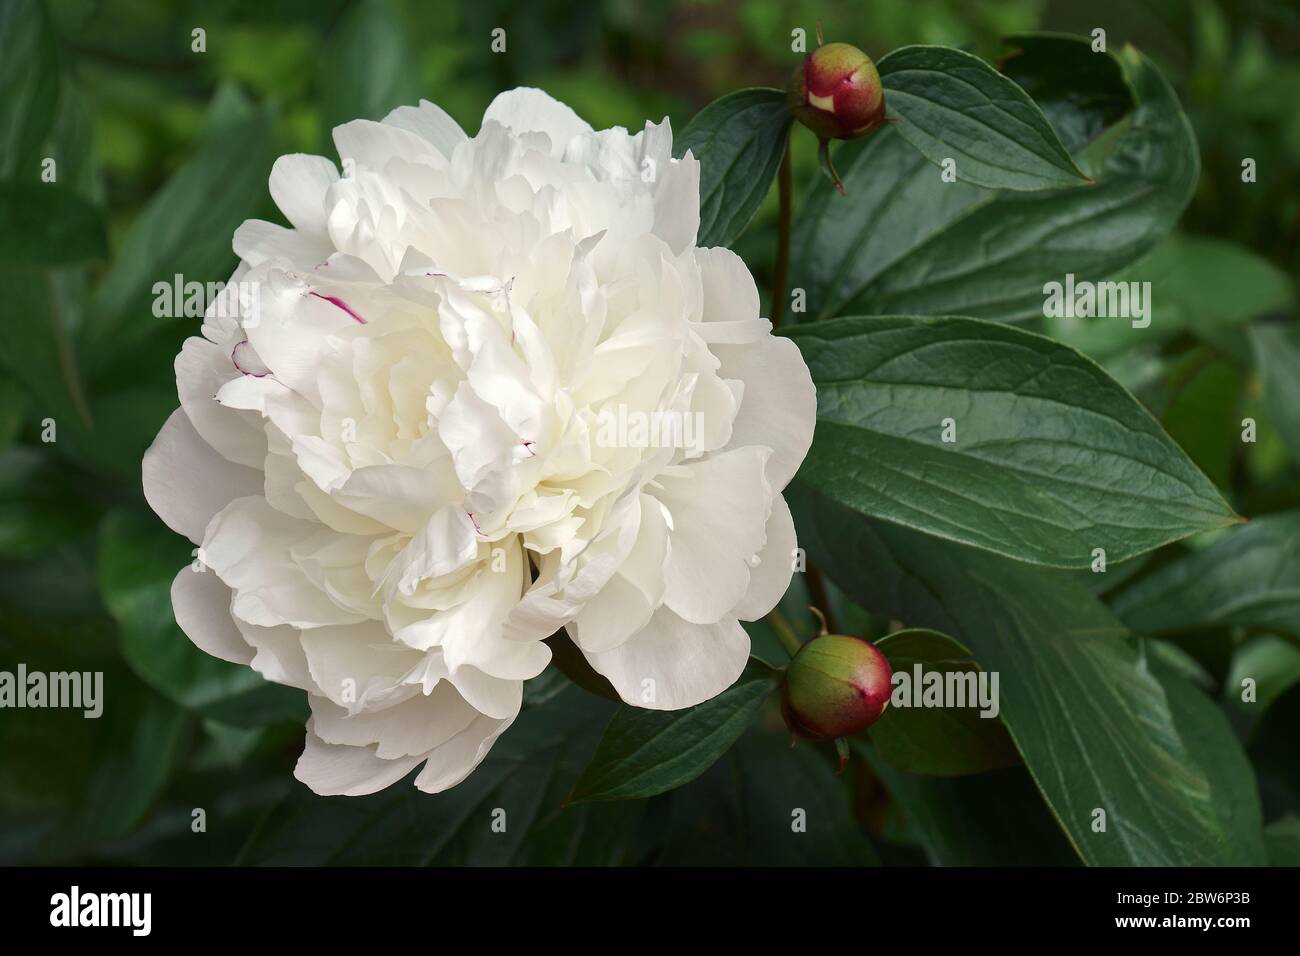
(381, 906)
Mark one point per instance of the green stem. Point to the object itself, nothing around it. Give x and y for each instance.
(828, 167)
(782, 270)
(784, 632)
(817, 593)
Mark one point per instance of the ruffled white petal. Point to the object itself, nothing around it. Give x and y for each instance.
(779, 408)
(530, 110)
(186, 482)
(202, 607)
(671, 663)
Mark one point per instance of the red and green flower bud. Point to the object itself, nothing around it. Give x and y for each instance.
(836, 92)
(835, 686)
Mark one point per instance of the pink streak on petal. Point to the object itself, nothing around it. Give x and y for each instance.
(335, 300)
(249, 362)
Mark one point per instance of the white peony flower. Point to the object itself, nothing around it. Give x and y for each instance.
(424, 450)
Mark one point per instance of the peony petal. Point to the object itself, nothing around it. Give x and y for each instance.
(671, 663)
(530, 110)
(186, 482)
(249, 544)
(201, 603)
(257, 241)
(719, 507)
(413, 727)
(452, 762)
(298, 184)
(430, 123)
(770, 578)
(729, 303)
(332, 770)
(779, 407)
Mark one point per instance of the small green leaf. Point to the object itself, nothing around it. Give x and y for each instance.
(951, 105)
(949, 741)
(645, 752)
(739, 140)
(1249, 578)
(988, 435)
(46, 225)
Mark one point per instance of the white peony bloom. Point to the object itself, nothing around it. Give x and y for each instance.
(426, 449)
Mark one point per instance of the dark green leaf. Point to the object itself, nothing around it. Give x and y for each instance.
(1249, 578)
(40, 508)
(904, 242)
(570, 662)
(739, 140)
(1203, 412)
(1277, 355)
(182, 230)
(367, 68)
(1096, 727)
(945, 741)
(646, 752)
(952, 105)
(29, 76)
(1014, 828)
(1052, 458)
(1282, 837)
(764, 804)
(1082, 92)
(1271, 663)
(1198, 284)
(47, 225)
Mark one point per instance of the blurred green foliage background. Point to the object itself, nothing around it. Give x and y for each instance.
(170, 149)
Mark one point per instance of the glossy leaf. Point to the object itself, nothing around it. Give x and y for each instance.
(947, 741)
(1051, 457)
(647, 752)
(1248, 578)
(739, 140)
(902, 241)
(1080, 90)
(951, 105)
(1096, 726)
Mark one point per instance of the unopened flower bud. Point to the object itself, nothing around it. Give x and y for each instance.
(835, 686)
(836, 92)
